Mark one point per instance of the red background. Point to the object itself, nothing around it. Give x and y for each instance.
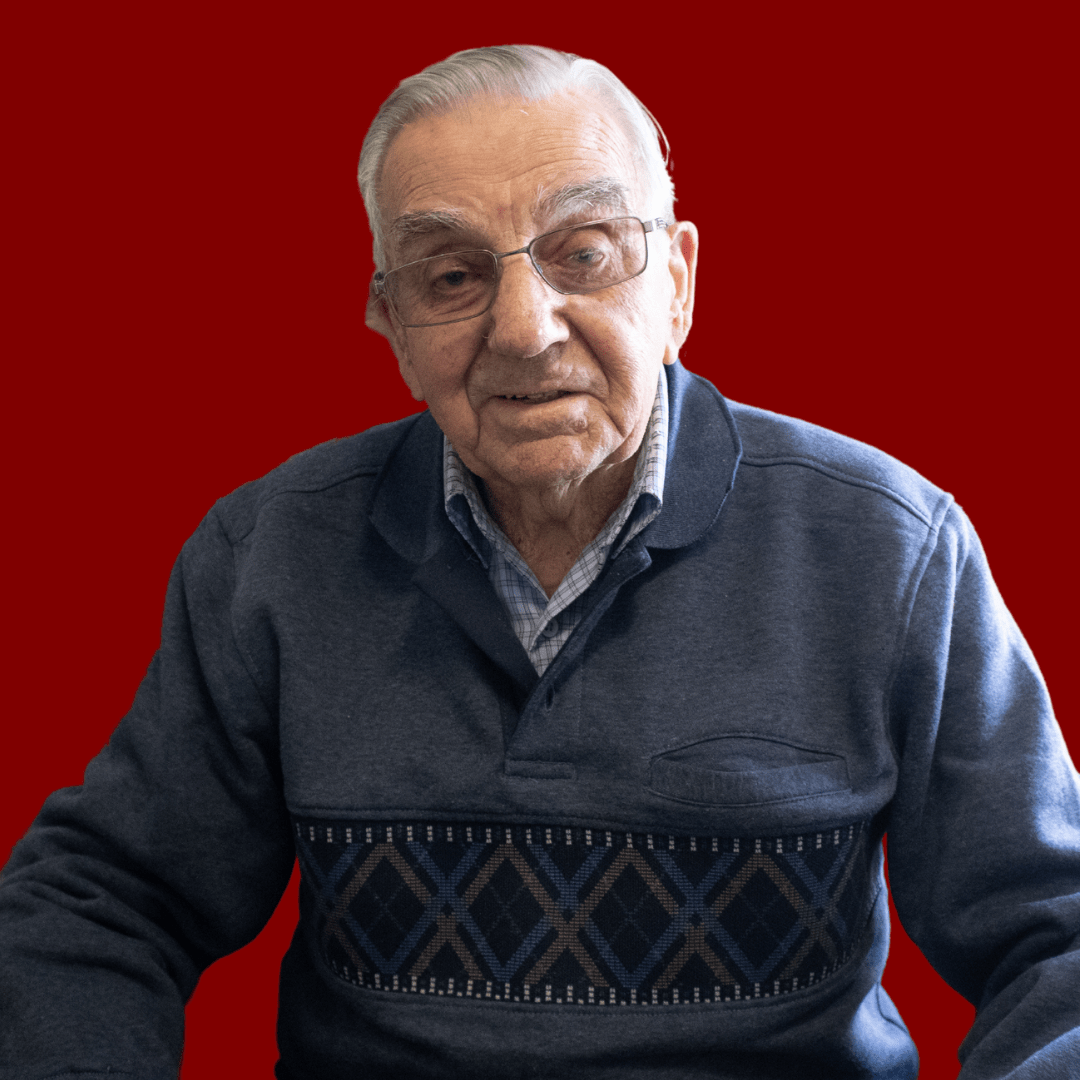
(887, 209)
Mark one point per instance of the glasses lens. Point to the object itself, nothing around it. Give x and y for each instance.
(590, 257)
(443, 289)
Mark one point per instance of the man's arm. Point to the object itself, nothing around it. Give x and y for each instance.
(984, 833)
(172, 853)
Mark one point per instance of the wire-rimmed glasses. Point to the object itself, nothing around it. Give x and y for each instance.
(462, 285)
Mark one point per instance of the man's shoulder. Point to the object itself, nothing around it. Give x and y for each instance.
(344, 464)
(773, 441)
(336, 461)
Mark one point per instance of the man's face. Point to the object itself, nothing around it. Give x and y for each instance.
(543, 389)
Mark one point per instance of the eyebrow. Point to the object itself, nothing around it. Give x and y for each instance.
(418, 223)
(601, 192)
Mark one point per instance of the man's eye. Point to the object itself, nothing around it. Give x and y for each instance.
(577, 251)
(586, 257)
(442, 288)
(444, 280)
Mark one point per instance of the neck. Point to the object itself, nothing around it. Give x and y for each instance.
(552, 526)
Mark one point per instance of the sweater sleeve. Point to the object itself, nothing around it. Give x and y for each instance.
(984, 831)
(173, 852)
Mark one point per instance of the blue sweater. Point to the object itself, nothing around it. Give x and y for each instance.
(660, 859)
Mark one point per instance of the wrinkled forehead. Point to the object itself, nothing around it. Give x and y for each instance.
(507, 167)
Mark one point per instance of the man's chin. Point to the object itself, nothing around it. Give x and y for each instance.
(551, 463)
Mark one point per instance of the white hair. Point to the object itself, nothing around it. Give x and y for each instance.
(531, 72)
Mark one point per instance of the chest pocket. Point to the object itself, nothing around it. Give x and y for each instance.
(746, 770)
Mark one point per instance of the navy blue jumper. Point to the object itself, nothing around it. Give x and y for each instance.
(661, 859)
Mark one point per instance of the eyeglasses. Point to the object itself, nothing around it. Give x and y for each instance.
(462, 285)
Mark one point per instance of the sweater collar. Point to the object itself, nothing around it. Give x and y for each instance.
(704, 451)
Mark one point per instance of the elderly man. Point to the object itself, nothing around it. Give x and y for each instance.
(584, 697)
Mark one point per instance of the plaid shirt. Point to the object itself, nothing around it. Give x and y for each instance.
(543, 625)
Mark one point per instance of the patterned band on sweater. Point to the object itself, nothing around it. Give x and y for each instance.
(550, 914)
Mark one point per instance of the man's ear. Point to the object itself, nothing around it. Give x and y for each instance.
(682, 265)
(379, 318)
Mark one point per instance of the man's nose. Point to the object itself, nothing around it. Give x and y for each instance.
(526, 317)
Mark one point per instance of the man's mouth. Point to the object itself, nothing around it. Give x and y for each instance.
(535, 399)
